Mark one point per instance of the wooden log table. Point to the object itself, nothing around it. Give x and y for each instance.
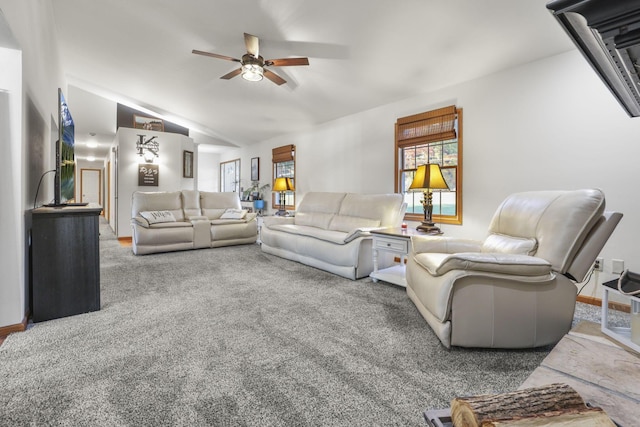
(601, 370)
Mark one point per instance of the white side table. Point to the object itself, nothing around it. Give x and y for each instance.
(621, 334)
(396, 241)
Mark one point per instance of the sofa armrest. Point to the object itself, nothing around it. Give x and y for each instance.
(438, 264)
(444, 245)
(138, 220)
(359, 232)
(268, 221)
(250, 216)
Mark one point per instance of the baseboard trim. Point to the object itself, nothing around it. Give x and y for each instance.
(125, 241)
(626, 308)
(19, 327)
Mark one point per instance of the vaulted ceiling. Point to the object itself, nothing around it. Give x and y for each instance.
(362, 54)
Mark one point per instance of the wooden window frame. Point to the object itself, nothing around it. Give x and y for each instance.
(283, 154)
(431, 127)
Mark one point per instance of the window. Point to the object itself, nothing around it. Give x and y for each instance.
(431, 137)
(284, 166)
(230, 176)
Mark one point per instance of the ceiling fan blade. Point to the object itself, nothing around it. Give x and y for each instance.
(214, 55)
(287, 62)
(232, 74)
(274, 77)
(253, 44)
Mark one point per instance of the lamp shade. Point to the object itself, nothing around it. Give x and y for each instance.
(283, 184)
(429, 177)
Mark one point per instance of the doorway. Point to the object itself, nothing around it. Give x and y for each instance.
(91, 186)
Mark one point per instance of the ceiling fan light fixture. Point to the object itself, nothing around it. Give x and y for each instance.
(252, 72)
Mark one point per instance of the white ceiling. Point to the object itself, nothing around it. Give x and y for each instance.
(362, 54)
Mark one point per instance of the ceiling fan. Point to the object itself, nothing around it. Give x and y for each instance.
(253, 65)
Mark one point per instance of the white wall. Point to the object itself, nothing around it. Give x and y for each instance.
(550, 124)
(12, 295)
(170, 169)
(208, 170)
(31, 25)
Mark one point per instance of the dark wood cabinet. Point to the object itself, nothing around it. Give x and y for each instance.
(65, 262)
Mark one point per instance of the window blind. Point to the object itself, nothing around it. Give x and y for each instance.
(283, 154)
(435, 125)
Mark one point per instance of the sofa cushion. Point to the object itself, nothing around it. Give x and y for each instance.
(336, 237)
(191, 203)
(177, 224)
(214, 204)
(157, 201)
(154, 217)
(558, 220)
(233, 213)
(500, 243)
(348, 223)
(318, 208)
(313, 219)
(384, 208)
(438, 264)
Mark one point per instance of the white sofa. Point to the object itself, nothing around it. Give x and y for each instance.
(188, 219)
(330, 231)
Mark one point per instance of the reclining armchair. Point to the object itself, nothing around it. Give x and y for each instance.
(517, 288)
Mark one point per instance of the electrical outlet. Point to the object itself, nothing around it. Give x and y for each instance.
(617, 266)
(599, 264)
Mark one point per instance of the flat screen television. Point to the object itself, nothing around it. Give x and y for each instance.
(64, 187)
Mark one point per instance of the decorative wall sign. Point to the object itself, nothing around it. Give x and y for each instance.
(147, 149)
(148, 174)
(255, 169)
(187, 164)
(148, 123)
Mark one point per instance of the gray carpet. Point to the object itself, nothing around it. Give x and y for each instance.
(234, 337)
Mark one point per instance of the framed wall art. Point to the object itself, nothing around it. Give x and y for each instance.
(255, 169)
(148, 123)
(187, 164)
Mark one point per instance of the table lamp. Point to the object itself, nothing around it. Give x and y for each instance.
(282, 185)
(428, 177)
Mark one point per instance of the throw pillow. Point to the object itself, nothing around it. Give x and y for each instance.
(232, 213)
(155, 217)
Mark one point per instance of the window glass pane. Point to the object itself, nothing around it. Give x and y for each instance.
(449, 175)
(450, 154)
(448, 200)
(422, 155)
(409, 158)
(283, 169)
(435, 153)
(230, 176)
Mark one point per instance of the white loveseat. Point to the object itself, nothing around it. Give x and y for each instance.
(188, 219)
(330, 231)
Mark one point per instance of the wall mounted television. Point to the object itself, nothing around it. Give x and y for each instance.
(64, 187)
